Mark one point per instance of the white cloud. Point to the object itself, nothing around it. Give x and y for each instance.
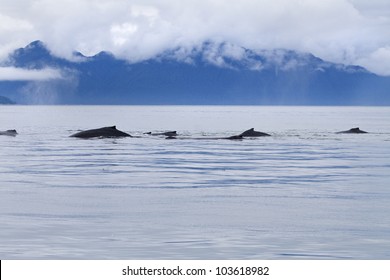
(378, 61)
(372, 7)
(9, 24)
(342, 31)
(121, 33)
(14, 33)
(20, 74)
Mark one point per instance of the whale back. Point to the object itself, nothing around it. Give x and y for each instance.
(253, 133)
(165, 133)
(9, 132)
(103, 132)
(355, 130)
(235, 137)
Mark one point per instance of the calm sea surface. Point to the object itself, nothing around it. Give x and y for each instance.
(304, 193)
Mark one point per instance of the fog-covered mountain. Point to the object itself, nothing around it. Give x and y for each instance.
(6, 101)
(209, 74)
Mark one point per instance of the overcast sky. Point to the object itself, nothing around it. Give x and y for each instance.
(343, 31)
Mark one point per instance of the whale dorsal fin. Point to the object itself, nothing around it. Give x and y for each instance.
(112, 127)
(252, 129)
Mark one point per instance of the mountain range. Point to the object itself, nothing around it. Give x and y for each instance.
(211, 74)
(5, 101)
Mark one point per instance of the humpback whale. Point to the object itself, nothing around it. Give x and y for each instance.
(234, 137)
(247, 133)
(10, 132)
(166, 133)
(253, 133)
(355, 130)
(104, 132)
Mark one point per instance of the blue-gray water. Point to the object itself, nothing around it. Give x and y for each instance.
(304, 193)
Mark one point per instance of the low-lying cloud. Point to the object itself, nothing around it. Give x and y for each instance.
(341, 31)
(21, 74)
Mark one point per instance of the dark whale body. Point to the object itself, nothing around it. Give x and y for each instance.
(247, 133)
(253, 133)
(234, 137)
(355, 130)
(166, 133)
(104, 132)
(10, 132)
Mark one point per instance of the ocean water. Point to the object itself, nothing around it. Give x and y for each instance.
(303, 193)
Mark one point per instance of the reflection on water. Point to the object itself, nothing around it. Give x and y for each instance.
(303, 193)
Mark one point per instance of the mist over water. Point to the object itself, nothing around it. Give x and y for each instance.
(303, 193)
